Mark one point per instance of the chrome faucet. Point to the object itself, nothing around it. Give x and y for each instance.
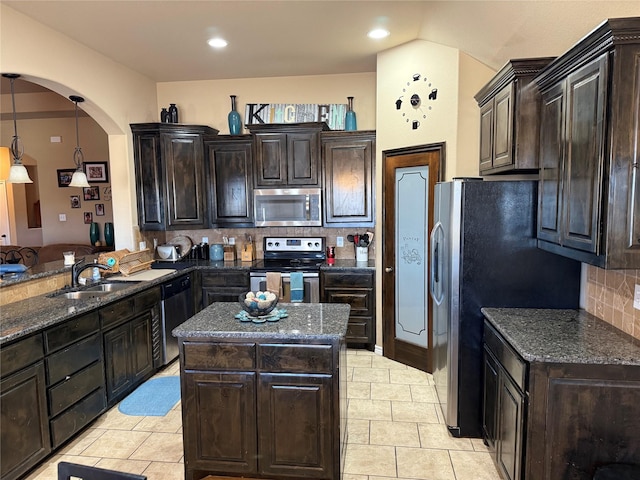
(78, 267)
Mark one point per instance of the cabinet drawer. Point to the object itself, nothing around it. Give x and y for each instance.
(117, 312)
(69, 332)
(348, 279)
(76, 418)
(361, 300)
(216, 356)
(20, 354)
(509, 359)
(73, 358)
(226, 279)
(147, 300)
(296, 358)
(68, 392)
(358, 331)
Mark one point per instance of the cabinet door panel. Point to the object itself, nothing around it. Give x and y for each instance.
(510, 421)
(503, 127)
(149, 181)
(302, 158)
(141, 351)
(348, 181)
(183, 156)
(490, 399)
(586, 98)
(486, 136)
(271, 160)
(230, 176)
(117, 361)
(24, 436)
(227, 441)
(295, 424)
(551, 154)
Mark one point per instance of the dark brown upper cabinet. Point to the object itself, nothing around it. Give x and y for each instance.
(229, 166)
(287, 154)
(509, 115)
(589, 194)
(348, 167)
(169, 163)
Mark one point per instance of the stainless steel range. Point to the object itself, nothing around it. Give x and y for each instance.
(291, 254)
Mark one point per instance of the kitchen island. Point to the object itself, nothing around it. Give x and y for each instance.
(264, 400)
(562, 393)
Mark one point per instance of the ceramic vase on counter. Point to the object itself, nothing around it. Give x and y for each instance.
(350, 117)
(235, 124)
(94, 233)
(108, 234)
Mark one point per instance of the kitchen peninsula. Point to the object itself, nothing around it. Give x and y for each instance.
(264, 400)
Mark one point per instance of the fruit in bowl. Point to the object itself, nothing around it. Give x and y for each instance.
(258, 304)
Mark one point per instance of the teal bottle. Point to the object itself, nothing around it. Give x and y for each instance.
(350, 117)
(235, 125)
(108, 234)
(94, 233)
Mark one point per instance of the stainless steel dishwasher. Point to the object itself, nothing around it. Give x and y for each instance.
(177, 307)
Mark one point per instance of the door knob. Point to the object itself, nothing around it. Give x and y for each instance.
(388, 269)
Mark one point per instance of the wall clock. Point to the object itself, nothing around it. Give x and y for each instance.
(414, 103)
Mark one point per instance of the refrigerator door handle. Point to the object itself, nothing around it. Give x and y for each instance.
(435, 288)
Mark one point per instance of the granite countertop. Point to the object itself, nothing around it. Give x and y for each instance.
(563, 336)
(305, 321)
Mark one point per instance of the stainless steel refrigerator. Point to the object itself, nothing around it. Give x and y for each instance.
(484, 254)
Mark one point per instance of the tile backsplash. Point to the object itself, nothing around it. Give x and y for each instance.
(610, 297)
(331, 234)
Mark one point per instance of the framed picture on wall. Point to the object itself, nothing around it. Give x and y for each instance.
(64, 176)
(88, 217)
(99, 209)
(96, 172)
(75, 201)
(91, 193)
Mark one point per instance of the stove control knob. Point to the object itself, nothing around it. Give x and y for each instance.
(269, 244)
(277, 244)
(317, 244)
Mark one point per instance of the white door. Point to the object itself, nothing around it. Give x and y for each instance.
(5, 231)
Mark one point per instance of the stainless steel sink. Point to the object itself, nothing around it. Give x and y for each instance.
(92, 291)
(81, 294)
(108, 287)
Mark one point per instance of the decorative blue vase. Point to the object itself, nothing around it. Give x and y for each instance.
(350, 117)
(94, 233)
(108, 234)
(235, 125)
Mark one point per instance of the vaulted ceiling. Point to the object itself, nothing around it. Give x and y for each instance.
(166, 40)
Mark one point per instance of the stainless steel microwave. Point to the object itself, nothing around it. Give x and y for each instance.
(287, 207)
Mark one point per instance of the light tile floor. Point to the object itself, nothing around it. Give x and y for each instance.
(395, 428)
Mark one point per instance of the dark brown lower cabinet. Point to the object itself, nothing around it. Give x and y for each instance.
(128, 356)
(224, 285)
(357, 288)
(546, 421)
(260, 409)
(24, 432)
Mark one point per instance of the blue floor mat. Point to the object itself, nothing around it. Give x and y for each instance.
(154, 398)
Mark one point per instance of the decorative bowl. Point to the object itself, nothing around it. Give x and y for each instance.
(258, 304)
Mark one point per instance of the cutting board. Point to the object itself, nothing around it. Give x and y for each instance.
(143, 276)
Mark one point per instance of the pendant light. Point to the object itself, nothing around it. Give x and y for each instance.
(18, 172)
(79, 178)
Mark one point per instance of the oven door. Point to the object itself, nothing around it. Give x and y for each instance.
(311, 283)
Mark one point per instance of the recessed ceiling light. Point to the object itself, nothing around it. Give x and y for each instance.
(217, 42)
(378, 33)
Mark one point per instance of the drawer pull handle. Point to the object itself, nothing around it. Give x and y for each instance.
(67, 377)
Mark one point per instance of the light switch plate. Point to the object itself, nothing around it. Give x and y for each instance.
(636, 298)
(339, 241)
(62, 217)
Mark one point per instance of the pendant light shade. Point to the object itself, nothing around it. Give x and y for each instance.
(79, 178)
(18, 172)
